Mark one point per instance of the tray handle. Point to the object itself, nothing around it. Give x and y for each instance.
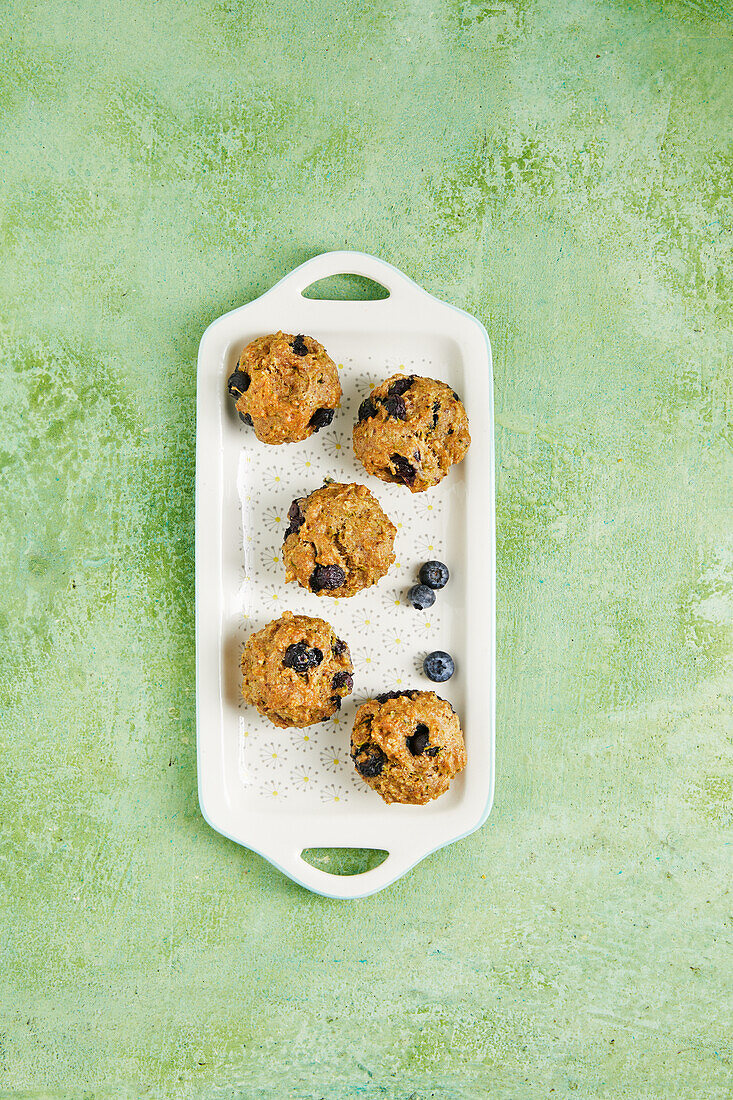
(290, 862)
(401, 289)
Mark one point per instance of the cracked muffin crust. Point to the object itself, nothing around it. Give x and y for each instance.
(411, 430)
(296, 671)
(408, 746)
(286, 387)
(339, 540)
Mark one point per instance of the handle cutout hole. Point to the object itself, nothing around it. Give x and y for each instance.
(346, 288)
(344, 861)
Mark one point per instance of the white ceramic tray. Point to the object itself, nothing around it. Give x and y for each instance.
(280, 792)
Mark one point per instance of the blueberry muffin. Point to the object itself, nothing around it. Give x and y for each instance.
(411, 430)
(408, 746)
(296, 671)
(339, 540)
(286, 387)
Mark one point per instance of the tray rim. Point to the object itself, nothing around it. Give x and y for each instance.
(300, 278)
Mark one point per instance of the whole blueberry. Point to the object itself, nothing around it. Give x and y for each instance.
(238, 383)
(386, 695)
(300, 657)
(434, 574)
(418, 742)
(367, 409)
(327, 576)
(373, 762)
(395, 406)
(343, 680)
(296, 517)
(299, 345)
(439, 666)
(421, 597)
(404, 470)
(321, 418)
(338, 647)
(400, 386)
(296, 657)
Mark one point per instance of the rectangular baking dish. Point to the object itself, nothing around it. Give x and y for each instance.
(277, 791)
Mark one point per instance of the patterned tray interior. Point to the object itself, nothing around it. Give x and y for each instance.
(387, 638)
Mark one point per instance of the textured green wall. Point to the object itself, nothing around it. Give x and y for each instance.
(561, 169)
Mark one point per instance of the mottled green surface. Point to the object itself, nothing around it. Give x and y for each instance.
(563, 170)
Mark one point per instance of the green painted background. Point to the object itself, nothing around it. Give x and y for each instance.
(561, 169)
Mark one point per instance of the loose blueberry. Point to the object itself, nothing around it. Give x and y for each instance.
(321, 418)
(238, 383)
(367, 409)
(404, 470)
(338, 647)
(374, 762)
(300, 657)
(298, 345)
(343, 680)
(421, 597)
(396, 407)
(245, 418)
(439, 666)
(327, 576)
(434, 574)
(418, 743)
